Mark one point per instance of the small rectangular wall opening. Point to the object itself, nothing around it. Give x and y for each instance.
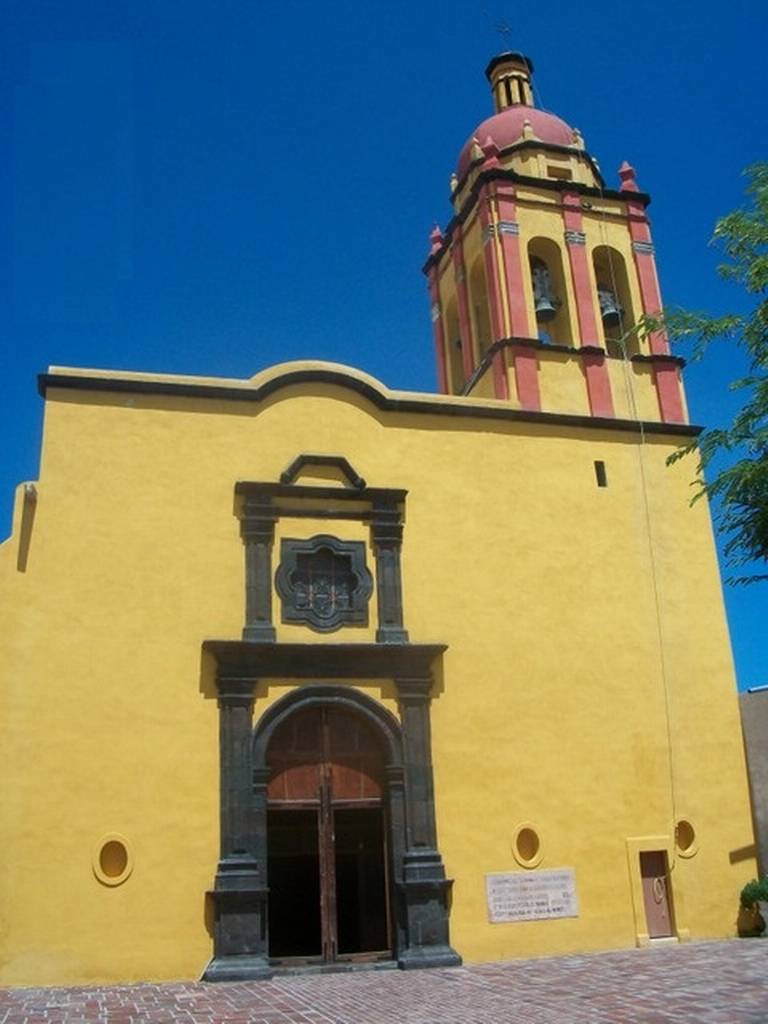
(601, 475)
(562, 173)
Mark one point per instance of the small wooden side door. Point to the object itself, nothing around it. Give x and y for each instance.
(656, 896)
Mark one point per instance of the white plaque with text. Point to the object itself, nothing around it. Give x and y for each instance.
(531, 895)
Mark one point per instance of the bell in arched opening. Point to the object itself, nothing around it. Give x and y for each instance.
(611, 312)
(545, 302)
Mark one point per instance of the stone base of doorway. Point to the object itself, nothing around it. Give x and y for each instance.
(644, 941)
(428, 956)
(337, 968)
(238, 968)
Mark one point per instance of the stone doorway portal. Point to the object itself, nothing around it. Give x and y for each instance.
(378, 791)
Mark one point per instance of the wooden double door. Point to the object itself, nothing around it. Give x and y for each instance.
(327, 840)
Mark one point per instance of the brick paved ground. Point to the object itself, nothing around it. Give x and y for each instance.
(704, 983)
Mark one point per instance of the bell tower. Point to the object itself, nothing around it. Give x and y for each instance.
(540, 277)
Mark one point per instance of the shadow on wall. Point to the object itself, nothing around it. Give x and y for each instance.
(29, 507)
(208, 914)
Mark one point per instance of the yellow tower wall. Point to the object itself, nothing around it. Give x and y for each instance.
(587, 687)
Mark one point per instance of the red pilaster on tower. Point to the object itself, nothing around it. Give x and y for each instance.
(462, 304)
(595, 369)
(524, 358)
(643, 253)
(667, 374)
(493, 284)
(436, 242)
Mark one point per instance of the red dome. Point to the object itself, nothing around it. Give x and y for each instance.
(507, 127)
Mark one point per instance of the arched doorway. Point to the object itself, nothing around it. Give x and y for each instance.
(328, 862)
(417, 892)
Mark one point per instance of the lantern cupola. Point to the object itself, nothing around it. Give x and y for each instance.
(529, 140)
(510, 78)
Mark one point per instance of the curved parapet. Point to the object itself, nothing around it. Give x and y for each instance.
(255, 388)
(286, 375)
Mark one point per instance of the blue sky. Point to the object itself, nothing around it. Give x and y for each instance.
(211, 187)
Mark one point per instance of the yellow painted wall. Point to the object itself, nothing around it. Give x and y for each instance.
(550, 706)
(633, 388)
(484, 386)
(562, 384)
(533, 162)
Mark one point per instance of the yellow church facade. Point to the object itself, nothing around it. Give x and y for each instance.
(302, 672)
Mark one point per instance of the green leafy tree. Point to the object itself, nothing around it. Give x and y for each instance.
(739, 491)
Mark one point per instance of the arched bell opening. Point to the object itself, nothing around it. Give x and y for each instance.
(454, 345)
(614, 301)
(550, 295)
(332, 761)
(479, 304)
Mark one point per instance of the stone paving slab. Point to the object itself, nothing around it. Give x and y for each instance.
(702, 983)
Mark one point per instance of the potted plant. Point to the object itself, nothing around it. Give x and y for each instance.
(754, 907)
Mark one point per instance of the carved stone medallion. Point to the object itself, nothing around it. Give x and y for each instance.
(324, 582)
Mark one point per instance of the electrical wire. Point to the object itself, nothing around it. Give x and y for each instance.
(646, 512)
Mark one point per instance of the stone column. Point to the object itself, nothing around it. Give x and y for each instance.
(424, 885)
(259, 818)
(395, 778)
(387, 534)
(257, 528)
(239, 894)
